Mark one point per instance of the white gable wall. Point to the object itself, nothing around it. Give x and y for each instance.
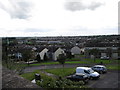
(75, 50)
(115, 55)
(42, 53)
(57, 53)
(103, 54)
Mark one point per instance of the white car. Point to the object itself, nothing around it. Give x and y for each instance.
(88, 71)
(31, 61)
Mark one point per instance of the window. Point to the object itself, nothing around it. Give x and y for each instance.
(86, 71)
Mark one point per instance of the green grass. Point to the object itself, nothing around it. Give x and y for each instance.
(44, 63)
(73, 59)
(52, 63)
(113, 67)
(61, 72)
(30, 76)
(76, 62)
(104, 61)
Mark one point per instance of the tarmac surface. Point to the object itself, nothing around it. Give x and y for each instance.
(107, 80)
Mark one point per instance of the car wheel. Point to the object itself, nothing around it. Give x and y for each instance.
(101, 72)
(86, 81)
(91, 78)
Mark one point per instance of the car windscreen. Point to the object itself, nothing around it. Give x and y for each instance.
(90, 71)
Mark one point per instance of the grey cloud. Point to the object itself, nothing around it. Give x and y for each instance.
(77, 5)
(17, 8)
(94, 5)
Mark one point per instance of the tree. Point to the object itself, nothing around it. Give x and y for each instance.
(38, 58)
(109, 52)
(61, 59)
(69, 55)
(28, 54)
(45, 57)
(94, 52)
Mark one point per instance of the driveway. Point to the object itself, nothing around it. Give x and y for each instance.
(108, 80)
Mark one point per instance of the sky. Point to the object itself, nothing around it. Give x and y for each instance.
(19, 18)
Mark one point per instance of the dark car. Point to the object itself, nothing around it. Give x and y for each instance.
(100, 68)
(78, 77)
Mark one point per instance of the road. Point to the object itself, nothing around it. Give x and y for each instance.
(31, 69)
(108, 80)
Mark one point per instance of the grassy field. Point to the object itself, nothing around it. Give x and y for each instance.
(61, 71)
(51, 63)
(113, 67)
(30, 76)
(104, 61)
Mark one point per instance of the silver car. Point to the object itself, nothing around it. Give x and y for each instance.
(100, 68)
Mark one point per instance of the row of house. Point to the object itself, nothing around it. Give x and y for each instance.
(53, 52)
(111, 52)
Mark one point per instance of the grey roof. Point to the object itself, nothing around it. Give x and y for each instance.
(52, 49)
(39, 49)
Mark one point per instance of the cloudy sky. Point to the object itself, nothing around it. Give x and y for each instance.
(58, 17)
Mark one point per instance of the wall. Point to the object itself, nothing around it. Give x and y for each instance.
(42, 53)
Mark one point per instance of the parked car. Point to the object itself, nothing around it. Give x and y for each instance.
(31, 61)
(88, 71)
(100, 68)
(79, 77)
(105, 57)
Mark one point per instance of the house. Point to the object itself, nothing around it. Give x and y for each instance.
(41, 51)
(53, 53)
(75, 50)
(111, 52)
